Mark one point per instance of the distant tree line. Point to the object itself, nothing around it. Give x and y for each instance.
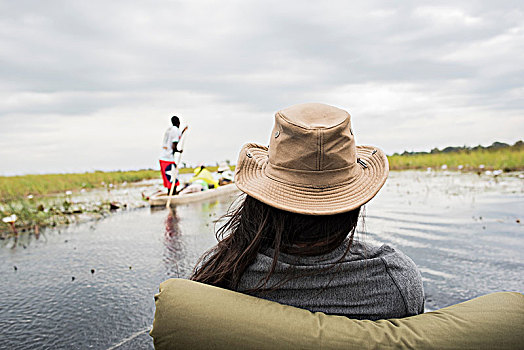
(519, 145)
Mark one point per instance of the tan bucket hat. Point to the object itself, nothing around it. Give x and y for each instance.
(312, 165)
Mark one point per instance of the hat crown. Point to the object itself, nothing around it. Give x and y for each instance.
(312, 137)
(311, 164)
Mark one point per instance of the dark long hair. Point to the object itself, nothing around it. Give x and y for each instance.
(255, 227)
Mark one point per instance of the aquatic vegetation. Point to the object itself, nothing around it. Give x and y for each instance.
(46, 200)
(33, 186)
(31, 216)
(509, 158)
(15, 187)
(10, 219)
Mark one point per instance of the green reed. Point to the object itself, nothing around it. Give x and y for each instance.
(506, 159)
(17, 187)
(39, 201)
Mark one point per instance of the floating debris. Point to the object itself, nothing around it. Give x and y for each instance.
(15, 268)
(460, 167)
(30, 196)
(92, 271)
(518, 221)
(73, 278)
(68, 193)
(114, 205)
(444, 167)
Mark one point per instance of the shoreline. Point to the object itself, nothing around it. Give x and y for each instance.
(80, 205)
(15, 188)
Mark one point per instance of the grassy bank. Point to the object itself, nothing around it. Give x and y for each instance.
(41, 200)
(16, 187)
(506, 159)
(44, 200)
(13, 188)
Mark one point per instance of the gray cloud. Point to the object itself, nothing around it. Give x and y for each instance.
(65, 63)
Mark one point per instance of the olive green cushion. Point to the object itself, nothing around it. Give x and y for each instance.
(191, 315)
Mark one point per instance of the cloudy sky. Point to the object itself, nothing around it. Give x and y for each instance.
(88, 85)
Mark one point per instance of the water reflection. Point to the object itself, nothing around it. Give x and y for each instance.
(174, 248)
(172, 226)
(23, 240)
(463, 232)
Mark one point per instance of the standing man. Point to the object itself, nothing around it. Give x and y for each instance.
(167, 157)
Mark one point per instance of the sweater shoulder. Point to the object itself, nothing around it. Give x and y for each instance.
(406, 275)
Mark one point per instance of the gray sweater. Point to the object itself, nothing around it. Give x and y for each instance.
(370, 282)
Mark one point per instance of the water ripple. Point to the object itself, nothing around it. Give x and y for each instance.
(460, 230)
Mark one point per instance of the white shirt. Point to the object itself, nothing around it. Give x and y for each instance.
(171, 135)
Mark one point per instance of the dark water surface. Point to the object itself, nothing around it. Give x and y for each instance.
(460, 229)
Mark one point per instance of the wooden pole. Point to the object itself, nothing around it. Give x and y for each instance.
(175, 173)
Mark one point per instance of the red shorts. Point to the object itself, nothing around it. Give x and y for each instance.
(167, 168)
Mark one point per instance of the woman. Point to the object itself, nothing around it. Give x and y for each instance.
(292, 238)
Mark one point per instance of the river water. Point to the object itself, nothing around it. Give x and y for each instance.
(91, 285)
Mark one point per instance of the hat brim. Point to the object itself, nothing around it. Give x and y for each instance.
(251, 178)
